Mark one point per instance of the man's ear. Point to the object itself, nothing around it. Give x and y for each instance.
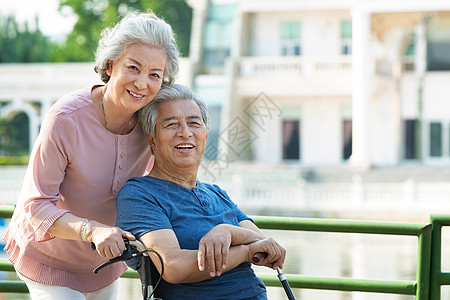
(151, 141)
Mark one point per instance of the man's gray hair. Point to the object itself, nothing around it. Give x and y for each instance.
(137, 28)
(148, 115)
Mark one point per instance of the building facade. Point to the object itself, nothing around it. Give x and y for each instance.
(325, 83)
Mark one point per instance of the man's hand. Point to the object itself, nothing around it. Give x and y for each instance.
(213, 250)
(274, 253)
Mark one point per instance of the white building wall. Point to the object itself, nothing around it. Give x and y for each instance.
(321, 132)
(436, 109)
(383, 113)
(266, 146)
(265, 33)
(320, 34)
(409, 96)
(437, 95)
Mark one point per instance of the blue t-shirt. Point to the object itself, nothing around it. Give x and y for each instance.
(146, 203)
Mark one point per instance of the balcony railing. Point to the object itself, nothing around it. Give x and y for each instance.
(301, 65)
(330, 197)
(408, 198)
(308, 65)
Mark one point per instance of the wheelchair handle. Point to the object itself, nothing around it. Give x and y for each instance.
(139, 246)
(125, 255)
(258, 256)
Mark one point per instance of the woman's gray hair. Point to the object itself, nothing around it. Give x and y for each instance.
(148, 115)
(137, 28)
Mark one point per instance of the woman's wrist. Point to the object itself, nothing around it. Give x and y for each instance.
(88, 230)
(83, 230)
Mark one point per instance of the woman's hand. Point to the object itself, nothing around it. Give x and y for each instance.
(213, 250)
(274, 253)
(108, 240)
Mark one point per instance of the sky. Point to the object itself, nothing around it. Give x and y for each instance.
(52, 22)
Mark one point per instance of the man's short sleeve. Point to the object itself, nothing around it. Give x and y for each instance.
(138, 211)
(241, 216)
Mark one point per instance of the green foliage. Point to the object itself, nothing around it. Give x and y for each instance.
(178, 14)
(19, 43)
(95, 15)
(14, 160)
(14, 134)
(24, 43)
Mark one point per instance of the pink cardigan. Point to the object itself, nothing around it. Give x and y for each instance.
(76, 166)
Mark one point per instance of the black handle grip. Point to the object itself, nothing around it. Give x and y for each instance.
(258, 256)
(126, 255)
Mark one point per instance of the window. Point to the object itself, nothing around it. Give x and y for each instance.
(214, 59)
(409, 55)
(435, 139)
(437, 56)
(411, 48)
(291, 38)
(347, 142)
(217, 38)
(346, 37)
(438, 44)
(409, 139)
(291, 139)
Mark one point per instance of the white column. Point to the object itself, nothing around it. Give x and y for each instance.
(420, 64)
(34, 130)
(46, 104)
(362, 69)
(199, 15)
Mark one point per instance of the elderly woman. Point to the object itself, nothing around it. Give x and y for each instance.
(89, 145)
(205, 241)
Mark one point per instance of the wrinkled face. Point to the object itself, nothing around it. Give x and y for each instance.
(136, 76)
(180, 136)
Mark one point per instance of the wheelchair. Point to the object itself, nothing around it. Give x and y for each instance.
(147, 270)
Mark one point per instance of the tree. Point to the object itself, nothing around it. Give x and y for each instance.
(179, 15)
(95, 15)
(19, 43)
(14, 134)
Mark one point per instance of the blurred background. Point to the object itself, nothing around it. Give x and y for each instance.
(320, 108)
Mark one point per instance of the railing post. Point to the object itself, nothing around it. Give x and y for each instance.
(435, 268)
(424, 263)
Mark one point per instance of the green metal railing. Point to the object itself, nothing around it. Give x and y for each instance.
(438, 278)
(419, 287)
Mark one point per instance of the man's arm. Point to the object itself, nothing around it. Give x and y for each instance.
(274, 254)
(223, 248)
(250, 225)
(180, 265)
(214, 246)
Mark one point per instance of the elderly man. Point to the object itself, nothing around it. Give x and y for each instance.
(205, 241)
